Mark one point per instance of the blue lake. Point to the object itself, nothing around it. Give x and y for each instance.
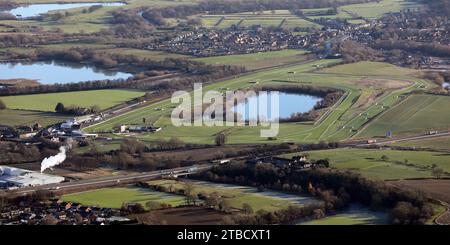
(53, 72)
(288, 104)
(34, 10)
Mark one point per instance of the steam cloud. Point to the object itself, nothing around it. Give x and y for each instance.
(55, 160)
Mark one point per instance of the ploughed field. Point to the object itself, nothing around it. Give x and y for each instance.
(439, 189)
(436, 189)
(182, 216)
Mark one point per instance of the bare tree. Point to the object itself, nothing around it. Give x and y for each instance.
(437, 172)
(189, 193)
(247, 208)
(2, 105)
(220, 139)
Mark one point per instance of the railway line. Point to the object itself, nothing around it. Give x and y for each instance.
(113, 180)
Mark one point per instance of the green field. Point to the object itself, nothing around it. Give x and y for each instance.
(369, 162)
(149, 54)
(378, 9)
(417, 114)
(278, 18)
(355, 215)
(442, 143)
(115, 197)
(342, 121)
(238, 195)
(23, 117)
(257, 60)
(47, 102)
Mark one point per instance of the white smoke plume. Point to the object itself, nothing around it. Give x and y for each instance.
(55, 160)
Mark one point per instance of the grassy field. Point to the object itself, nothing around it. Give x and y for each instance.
(238, 195)
(115, 197)
(366, 96)
(47, 102)
(257, 60)
(442, 143)
(416, 114)
(149, 54)
(376, 10)
(278, 18)
(369, 162)
(24, 117)
(355, 215)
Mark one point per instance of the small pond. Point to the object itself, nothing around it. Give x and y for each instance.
(289, 103)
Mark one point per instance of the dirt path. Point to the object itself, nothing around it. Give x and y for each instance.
(444, 218)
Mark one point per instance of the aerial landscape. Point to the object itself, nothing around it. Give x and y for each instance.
(225, 112)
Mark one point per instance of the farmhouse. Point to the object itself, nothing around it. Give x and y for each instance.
(15, 177)
(70, 124)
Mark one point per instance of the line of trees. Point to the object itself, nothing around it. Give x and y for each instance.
(353, 52)
(433, 49)
(136, 155)
(6, 5)
(11, 153)
(76, 110)
(128, 23)
(336, 188)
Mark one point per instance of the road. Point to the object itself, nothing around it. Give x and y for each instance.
(114, 180)
(419, 137)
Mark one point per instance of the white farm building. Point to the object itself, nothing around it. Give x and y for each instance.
(16, 177)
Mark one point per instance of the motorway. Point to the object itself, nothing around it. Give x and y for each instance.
(113, 180)
(410, 138)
